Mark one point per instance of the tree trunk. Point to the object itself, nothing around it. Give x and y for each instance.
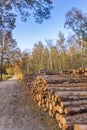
(1, 60)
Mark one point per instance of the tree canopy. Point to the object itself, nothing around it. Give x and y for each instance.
(10, 9)
(8, 49)
(77, 21)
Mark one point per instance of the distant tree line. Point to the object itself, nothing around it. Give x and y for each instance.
(56, 57)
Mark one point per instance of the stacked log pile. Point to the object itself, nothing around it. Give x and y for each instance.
(65, 98)
(78, 72)
(82, 71)
(28, 79)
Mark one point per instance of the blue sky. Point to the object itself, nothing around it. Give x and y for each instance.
(28, 33)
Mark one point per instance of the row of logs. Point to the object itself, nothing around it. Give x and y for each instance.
(64, 97)
(80, 72)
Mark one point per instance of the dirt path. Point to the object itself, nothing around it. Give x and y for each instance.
(19, 112)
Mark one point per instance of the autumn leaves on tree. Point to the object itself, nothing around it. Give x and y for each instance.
(67, 53)
(9, 11)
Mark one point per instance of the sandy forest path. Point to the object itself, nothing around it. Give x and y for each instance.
(18, 111)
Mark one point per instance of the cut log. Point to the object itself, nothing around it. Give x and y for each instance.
(60, 109)
(60, 125)
(72, 98)
(56, 79)
(62, 96)
(75, 109)
(80, 127)
(73, 103)
(50, 106)
(57, 116)
(69, 126)
(68, 93)
(74, 119)
(52, 90)
(66, 86)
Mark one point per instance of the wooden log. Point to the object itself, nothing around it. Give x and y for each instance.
(54, 103)
(80, 127)
(54, 89)
(54, 111)
(56, 79)
(59, 108)
(69, 126)
(71, 98)
(68, 93)
(57, 116)
(47, 102)
(28, 79)
(39, 103)
(73, 103)
(67, 86)
(50, 106)
(50, 113)
(74, 119)
(60, 125)
(66, 97)
(75, 109)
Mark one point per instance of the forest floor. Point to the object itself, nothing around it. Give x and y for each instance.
(18, 111)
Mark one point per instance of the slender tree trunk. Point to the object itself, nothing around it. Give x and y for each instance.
(51, 66)
(83, 62)
(83, 57)
(1, 63)
(71, 62)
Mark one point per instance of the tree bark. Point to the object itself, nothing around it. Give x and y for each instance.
(1, 61)
(73, 103)
(80, 127)
(75, 109)
(69, 93)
